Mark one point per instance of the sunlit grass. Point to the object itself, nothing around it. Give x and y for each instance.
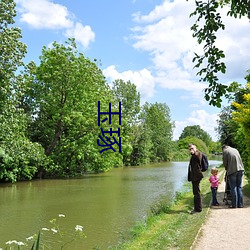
(170, 226)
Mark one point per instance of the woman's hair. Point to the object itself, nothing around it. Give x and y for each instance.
(214, 170)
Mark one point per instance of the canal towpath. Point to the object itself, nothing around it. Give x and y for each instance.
(225, 228)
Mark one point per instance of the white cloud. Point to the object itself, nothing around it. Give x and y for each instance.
(234, 41)
(83, 34)
(165, 33)
(143, 80)
(198, 117)
(44, 14)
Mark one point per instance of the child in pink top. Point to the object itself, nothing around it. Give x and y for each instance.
(214, 185)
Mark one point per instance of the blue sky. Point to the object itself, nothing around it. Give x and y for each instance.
(148, 42)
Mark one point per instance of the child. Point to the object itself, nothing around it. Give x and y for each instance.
(214, 185)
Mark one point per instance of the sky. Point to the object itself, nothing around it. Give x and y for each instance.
(147, 42)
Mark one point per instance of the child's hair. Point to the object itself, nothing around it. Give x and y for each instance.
(214, 170)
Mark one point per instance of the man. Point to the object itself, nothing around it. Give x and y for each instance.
(195, 175)
(235, 169)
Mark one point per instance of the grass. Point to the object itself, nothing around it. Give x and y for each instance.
(246, 188)
(170, 226)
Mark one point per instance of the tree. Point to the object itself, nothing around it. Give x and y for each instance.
(242, 117)
(208, 23)
(229, 130)
(126, 93)
(129, 97)
(196, 131)
(64, 91)
(184, 142)
(157, 122)
(20, 158)
(233, 123)
(227, 127)
(12, 50)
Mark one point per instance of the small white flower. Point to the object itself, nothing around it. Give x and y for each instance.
(29, 238)
(10, 242)
(45, 229)
(78, 228)
(61, 215)
(20, 243)
(54, 230)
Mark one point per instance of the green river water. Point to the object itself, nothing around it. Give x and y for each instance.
(106, 204)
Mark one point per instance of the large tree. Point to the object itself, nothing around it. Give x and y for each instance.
(156, 120)
(19, 157)
(64, 92)
(196, 131)
(184, 142)
(12, 51)
(208, 23)
(127, 94)
(241, 115)
(227, 127)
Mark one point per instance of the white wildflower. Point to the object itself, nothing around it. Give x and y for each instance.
(78, 228)
(54, 230)
(61, 215)
(10, 242)
(20, 243)
(29, 238)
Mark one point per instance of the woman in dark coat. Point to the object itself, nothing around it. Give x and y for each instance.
(195, 175)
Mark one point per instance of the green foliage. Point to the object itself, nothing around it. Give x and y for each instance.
(157, 122)
(36, 244)
(20, 158)
(241, 116)
(205, 28)
(215, 147)
(227, 127)
(63, 94)
(12, 50)
(201, 146)
(142, 145)
(181, 154)
(196, 131)
(127, 95)
(233, 123)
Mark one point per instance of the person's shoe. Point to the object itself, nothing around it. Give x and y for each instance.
(231, 206)
(241, 206)
(194, 212)
(217, 204)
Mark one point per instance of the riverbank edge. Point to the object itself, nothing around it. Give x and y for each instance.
(171, 226)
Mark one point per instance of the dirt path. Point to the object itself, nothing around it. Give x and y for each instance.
(225, 228)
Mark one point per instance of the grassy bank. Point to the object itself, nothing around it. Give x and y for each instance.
(170, 227)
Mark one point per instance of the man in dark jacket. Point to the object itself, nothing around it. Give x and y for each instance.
(195, 175)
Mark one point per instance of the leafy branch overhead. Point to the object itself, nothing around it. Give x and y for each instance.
(205, 28)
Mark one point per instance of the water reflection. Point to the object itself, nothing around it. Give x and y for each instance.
(105, 204)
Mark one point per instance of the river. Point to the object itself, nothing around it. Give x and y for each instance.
(104, 204)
